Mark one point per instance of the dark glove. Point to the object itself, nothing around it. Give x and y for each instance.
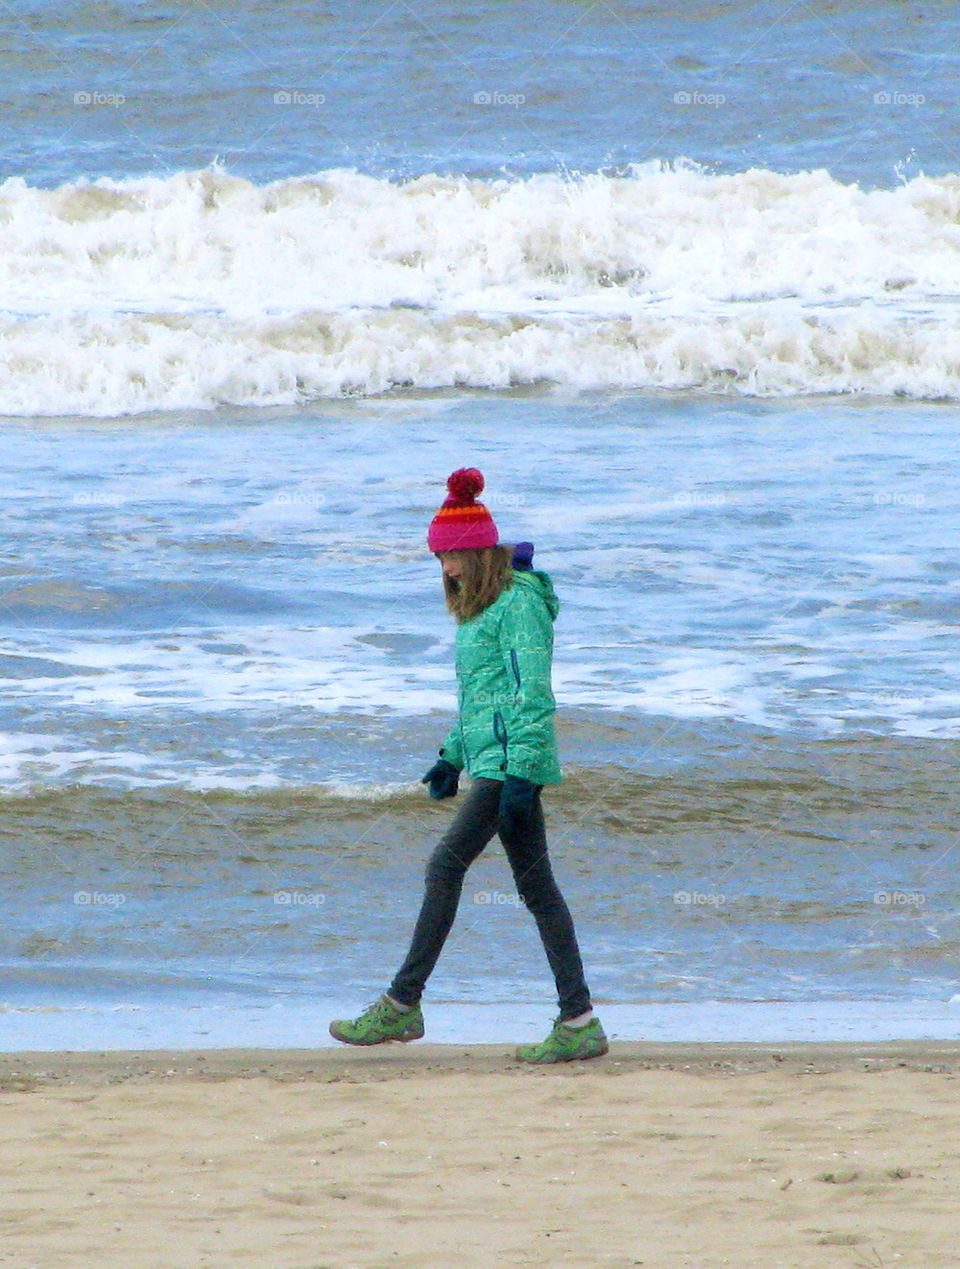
(442, 778)
(517, 800)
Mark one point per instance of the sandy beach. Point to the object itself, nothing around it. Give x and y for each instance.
(801, 1156)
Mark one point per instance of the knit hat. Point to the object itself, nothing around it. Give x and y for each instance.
(462, 523)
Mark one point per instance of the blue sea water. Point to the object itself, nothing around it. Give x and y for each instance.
(684, 284)
(864, 90)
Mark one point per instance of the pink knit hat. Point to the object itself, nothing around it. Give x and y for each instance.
(462, 523)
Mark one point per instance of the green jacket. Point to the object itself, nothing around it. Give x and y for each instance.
(505, 698)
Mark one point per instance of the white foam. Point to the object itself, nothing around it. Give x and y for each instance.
(202, 288)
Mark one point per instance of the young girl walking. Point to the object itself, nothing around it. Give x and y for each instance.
(504, 738)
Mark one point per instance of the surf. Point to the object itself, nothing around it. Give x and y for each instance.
(204, 289)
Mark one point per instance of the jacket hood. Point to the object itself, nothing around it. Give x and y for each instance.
(539, 582)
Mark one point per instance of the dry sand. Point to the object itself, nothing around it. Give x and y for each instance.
(657, 1155)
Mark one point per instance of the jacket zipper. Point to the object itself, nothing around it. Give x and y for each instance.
(516, 670)
(463, 739)
(499, 727)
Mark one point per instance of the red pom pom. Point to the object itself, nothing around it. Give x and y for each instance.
(465, 484)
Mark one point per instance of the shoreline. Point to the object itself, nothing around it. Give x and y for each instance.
(38, 1069)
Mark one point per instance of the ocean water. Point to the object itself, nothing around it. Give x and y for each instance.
(685, 285)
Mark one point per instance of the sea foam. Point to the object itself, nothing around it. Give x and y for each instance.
(202, 288)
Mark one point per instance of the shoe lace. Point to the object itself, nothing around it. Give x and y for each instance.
(368, 1013)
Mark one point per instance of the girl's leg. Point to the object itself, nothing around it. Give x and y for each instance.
(535, 883)
(472, 827)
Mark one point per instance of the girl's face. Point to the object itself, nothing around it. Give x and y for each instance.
(452, 564)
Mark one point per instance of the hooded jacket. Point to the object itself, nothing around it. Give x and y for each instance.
(506, 701)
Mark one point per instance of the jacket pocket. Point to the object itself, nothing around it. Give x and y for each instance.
(500, 733)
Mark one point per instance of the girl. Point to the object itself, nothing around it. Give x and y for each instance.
(504, 737)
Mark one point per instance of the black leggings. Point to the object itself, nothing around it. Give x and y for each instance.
(472, 827)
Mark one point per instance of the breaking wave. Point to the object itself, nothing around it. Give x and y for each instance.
(202, 289)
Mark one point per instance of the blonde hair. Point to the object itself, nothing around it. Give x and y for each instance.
(486, 575)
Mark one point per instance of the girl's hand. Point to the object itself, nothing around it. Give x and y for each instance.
(443, 778)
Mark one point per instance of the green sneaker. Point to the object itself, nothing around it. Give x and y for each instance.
(380, 1022)
(567, 1044)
